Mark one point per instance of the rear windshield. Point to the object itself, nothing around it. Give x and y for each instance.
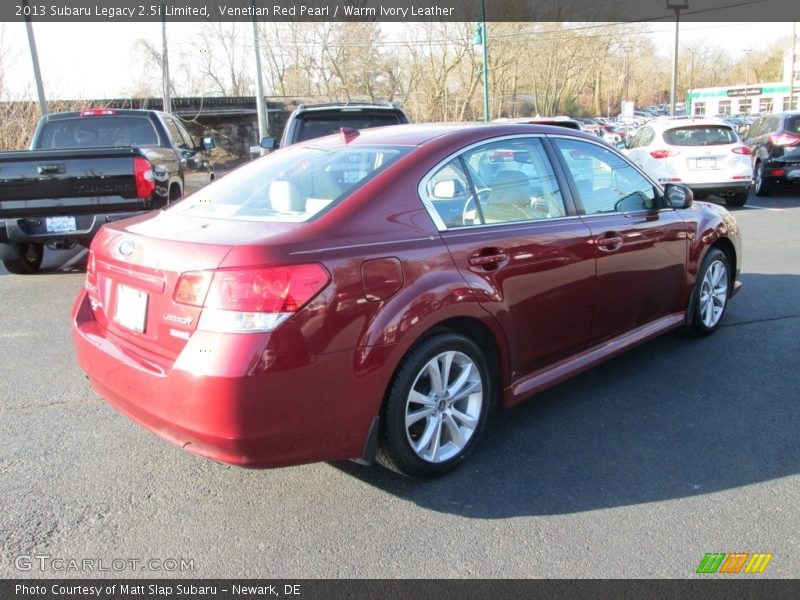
(291, 185)
(313, 126)
(700, 135)
(99, 131)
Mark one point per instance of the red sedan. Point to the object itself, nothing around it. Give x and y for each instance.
(374, 294)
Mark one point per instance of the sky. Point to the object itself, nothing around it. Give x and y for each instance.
(99, 60)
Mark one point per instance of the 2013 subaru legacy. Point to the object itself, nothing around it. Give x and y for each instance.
(372, 295)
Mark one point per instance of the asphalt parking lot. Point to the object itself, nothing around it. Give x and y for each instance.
(634, 469)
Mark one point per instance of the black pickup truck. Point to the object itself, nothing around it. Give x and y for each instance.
(88, 168)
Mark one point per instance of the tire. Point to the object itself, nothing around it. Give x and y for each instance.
(711, 293)
(429, 424)
(738, 199)
(29, 262)
(762, 186)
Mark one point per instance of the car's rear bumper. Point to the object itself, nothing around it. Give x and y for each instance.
(34, 229)
(721, 188)
(264, 417)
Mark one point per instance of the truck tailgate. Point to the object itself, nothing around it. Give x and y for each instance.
(68, 182)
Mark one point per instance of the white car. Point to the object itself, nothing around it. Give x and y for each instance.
(703, 154)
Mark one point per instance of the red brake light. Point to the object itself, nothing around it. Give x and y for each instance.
(266, 289)
(250, 300)
(784, 139)
(145, 180)
(96, 112)
(741, 150)
(663, 153)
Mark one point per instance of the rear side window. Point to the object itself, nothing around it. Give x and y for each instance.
(707, 135)
(793, 124)
(290, 186)
(311, 126)
(99, 131)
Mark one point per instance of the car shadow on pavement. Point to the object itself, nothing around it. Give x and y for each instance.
(675, 418)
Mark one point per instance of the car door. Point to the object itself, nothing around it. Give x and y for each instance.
(520, 246)
(194, 164)
(640, 245)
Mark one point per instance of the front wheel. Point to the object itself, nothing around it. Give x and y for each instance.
(436, 407)
(30, 260)
(711, 293)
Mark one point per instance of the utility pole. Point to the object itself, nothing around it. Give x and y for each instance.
(746, 79)
(793, 72)
(263, 123)
(480, 39)
(677, 6)
(35, 59)
(165, 88)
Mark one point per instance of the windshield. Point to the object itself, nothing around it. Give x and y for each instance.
(703, 135)
(291, 185)
(101, 131)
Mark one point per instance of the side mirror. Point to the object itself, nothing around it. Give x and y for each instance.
(209, 143)
(269, 143)
(621, 145)
(447, 189)
(678, 196)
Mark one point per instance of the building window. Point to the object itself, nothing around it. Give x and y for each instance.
(745, 106)
(796, 103)
(765, 105)
(724, 107)
(699, 108)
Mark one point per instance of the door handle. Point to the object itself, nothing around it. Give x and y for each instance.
(609, 243)
(488, 262)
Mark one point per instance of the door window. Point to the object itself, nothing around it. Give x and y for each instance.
(606, 183)
(513, 179)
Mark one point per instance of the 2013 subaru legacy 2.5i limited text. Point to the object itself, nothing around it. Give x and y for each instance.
(373, 295)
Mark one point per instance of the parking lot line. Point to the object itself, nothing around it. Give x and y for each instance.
(755, 206)
(73, 260)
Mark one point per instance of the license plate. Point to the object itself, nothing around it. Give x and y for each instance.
(60, 224)
(131, 309)
(707, 163)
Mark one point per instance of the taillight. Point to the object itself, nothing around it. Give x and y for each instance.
(741, 150)
(250, 300)
(663, 153)
(91, 276)
(143, 174)
(784, 139)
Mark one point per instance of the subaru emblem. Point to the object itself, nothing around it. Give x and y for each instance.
(126, 248)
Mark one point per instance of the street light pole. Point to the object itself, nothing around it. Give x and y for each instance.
(793, 73)
(480, 39)
(677, 6)
(261, 109)
(35, 59)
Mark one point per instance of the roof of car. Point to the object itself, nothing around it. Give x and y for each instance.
(347, 105)
(420, 134)
(664, 123)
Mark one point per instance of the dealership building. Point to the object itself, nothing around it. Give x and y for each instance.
(748, 98)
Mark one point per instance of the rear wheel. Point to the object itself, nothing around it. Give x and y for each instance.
(436, 408)
(737, 199)
(762, 186)
(711, 293)
(30, 260)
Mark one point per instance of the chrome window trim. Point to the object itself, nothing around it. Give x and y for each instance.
(434, 214)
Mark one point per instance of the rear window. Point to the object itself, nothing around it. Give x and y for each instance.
(703, 135)
(100, 131)
(312, 126)
(291, 185)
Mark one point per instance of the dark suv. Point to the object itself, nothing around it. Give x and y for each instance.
(309, 121)
(775, 142)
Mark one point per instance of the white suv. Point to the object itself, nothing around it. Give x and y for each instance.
(703, 154)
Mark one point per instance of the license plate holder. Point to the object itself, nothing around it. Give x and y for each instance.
(60, 224)
(131, 309)
(707, 162)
